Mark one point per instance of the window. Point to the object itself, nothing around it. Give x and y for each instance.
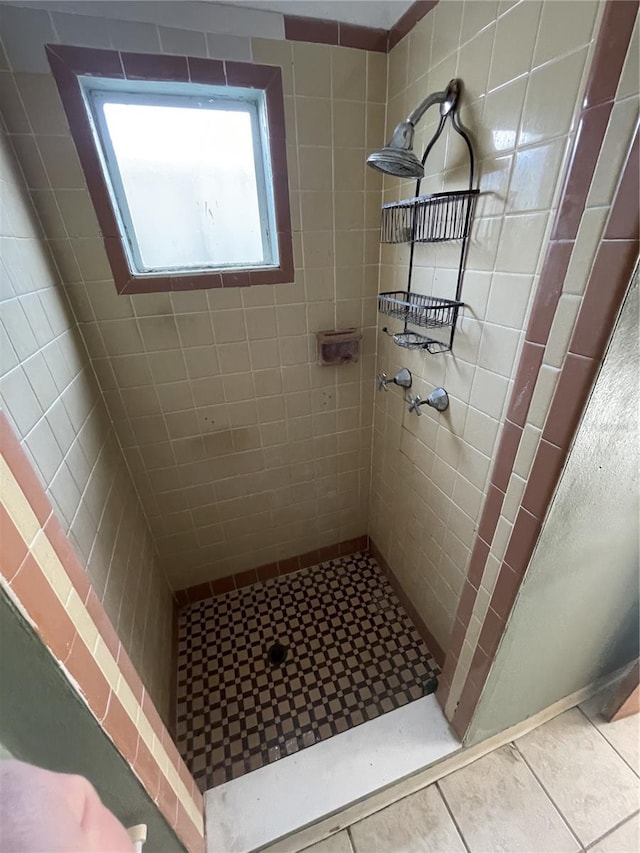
(185, 162)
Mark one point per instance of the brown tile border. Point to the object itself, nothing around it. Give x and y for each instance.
(574, 384)
(546, 470)
(525, 381)
(432, 644)
(552, 277)
(32, 588)
(477, 563)
(524, 537)
(67, 556)
(617, 23)
(129, 673)
(210, 589)
(45, 609)
(322, 31)
(407, 22)
(68, 62)
(624, 221)
(490, 513)
(315, 30)
(591, 129)
(363, 38)
(605, 290)
(507, 449)
(610, 276)
(14, 456)
(82, 666)
(14, 548)
(102, 622)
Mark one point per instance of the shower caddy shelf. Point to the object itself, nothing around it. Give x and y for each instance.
(436, 218)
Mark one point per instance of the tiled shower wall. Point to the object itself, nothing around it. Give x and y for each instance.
(591, 273)
(50, 394)
(523, 66)
(242, 449)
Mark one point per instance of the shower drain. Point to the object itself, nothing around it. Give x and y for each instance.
(277, 654)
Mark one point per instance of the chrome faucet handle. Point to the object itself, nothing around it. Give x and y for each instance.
(415, 403)
(403, 378)
(438, 399)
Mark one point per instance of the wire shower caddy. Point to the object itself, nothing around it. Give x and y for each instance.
(435, 218)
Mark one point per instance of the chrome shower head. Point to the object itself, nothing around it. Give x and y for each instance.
(392, 161)
(397, 157)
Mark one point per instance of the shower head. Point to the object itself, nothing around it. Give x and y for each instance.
(397, 157)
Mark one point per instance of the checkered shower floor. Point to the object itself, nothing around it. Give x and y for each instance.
(352, 654)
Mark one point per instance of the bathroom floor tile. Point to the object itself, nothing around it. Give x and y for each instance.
(352, 654)
(499, 805)
(338, 843)
(587, 780)
(623, 735)
(624, 839)
(419, 823)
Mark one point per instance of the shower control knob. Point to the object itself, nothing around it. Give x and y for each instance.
(415, 403)
(403, 378)
(438, 399)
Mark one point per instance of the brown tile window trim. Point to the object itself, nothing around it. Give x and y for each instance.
(68, 62)
(605, 290)
(321, 31)
(32, 588)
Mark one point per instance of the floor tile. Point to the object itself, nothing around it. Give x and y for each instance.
(624, 839)
(499, 806)
(281, 798)
(587, 780)
(623, 735)
(352, 655)
(418, 824)
(336, 844)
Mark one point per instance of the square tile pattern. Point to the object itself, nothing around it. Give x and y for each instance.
(352, 654)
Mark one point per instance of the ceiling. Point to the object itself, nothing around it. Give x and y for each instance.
(370, 13)
(249, 18)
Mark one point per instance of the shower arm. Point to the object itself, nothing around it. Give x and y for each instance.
(448, 101)
(437, 98)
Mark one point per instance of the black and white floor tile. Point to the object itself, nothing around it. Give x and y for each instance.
(352, 653)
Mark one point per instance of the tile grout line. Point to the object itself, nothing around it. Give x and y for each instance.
(451, 814)
(608, 742)
(613, 829)
(514, 745)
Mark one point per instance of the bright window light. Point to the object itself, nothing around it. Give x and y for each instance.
(189, 174)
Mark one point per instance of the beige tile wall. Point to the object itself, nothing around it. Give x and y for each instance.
(242, 449)
(51, 396)
(619, 134)
(523, 66)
